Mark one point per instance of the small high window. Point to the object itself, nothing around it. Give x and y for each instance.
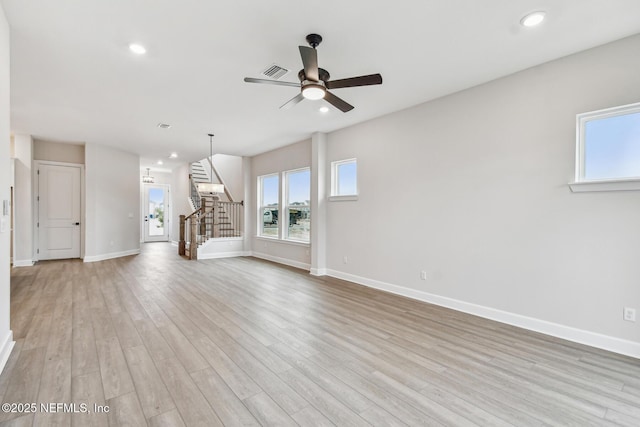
(608, 144)
(344, 178)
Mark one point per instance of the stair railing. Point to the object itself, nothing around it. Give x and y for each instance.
(195, 195)
(188, 243)
(230, 217)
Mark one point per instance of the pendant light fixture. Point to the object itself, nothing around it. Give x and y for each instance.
(148, 179)
(210, 187)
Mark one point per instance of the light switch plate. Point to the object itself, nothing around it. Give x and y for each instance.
(5, 208)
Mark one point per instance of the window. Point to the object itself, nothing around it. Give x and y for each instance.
(298, 210)
(608, 148)
(344, 178)
(269, 194)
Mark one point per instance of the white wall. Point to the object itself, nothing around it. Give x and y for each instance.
(472, 188)
(112, 203)
(180, 198)
(58, 151)
(230, 170)
(293, 156)
(6, 337)
(23, 200)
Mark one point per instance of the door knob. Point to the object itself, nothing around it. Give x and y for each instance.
(77, 223)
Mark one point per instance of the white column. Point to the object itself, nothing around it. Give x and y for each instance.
(318, 204)
(249, 206)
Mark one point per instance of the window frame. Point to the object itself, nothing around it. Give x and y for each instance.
(580, 183)
(335, 180)
(262, 206)
(287, 206)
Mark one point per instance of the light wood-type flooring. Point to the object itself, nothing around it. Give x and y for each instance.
(163, 341)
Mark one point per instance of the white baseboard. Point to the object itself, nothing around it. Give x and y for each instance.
(111, 255)
(318, 271)
(174, 243)
(5, 349)
(221, 255)
(23, 263)
(593, 339)
(279, 260)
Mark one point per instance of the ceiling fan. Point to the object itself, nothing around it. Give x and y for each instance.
(314, 81)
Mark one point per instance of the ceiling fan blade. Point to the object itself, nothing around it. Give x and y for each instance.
(271, 82)
(339, 103)
(310, 61)
(371, 79)
(293, 101)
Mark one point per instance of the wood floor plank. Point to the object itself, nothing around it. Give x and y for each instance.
(127, 333)
(168, 419)
(267, 412)
(55, 387)
(241, 341)
(192, 405)
(23, 421)
(116, 378)
(154, 396)
(237, 379)
(222, 399)
(25, 379)
(330, 407)
(84, 357)
(310, 416)
(183, 349)
(61, 336)
(87, 389)
(9, 367)
(125, 410)
(153, 340)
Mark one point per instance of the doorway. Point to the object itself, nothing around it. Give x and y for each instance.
(156, 213)
(58, 210)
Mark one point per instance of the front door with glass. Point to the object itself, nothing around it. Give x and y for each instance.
(156, 213)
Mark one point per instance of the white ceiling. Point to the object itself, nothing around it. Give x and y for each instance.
(73, 79)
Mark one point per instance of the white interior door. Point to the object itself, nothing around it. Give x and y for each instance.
(58, 212)
(156, 213)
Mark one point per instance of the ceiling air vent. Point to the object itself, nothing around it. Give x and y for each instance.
(274, 71)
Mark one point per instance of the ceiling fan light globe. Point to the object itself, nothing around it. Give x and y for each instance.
(313, 92)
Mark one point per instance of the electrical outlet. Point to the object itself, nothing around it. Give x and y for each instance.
(345, 260)
(423, 275)
(629, 314)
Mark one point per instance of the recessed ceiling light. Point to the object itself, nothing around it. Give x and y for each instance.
(137, 49)
(324, 109)
(164, 125)
(173, 155)
(532, 19)
(160, 162)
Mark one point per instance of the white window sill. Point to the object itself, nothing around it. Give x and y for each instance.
(343, 198)
(288, 242)
(605, 185)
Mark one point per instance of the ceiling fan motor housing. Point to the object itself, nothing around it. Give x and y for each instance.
(322, 74)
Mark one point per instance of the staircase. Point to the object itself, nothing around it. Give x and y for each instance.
(212, 218)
